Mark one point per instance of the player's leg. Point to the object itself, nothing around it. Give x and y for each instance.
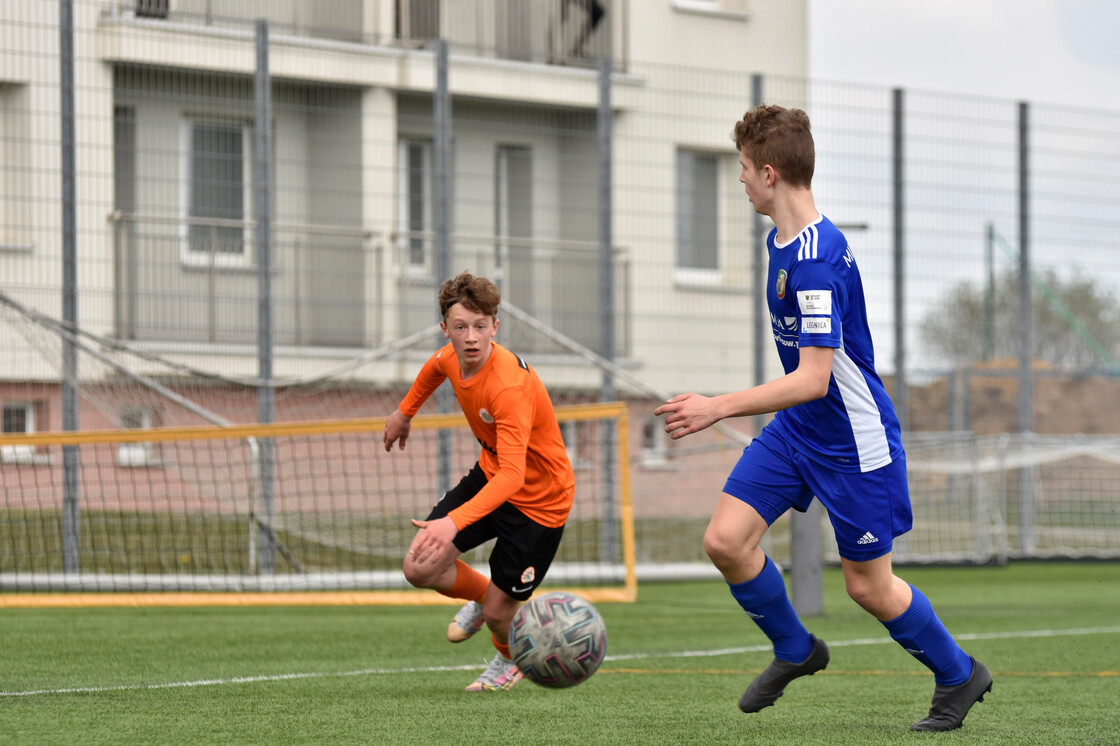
(501, 673)
(908, 616)
(867, 511)
(731, 542)
(446, 573)
(522, 555)
(960, 681)
(472, 585)
(762, 487)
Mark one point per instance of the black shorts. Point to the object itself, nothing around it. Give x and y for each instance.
(525, 548)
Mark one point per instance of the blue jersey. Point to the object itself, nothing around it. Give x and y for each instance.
(815, 296)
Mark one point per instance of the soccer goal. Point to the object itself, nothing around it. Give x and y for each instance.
(290, 507)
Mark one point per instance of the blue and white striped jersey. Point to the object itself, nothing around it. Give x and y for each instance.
(815, 296)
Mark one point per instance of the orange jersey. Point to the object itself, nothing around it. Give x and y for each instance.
(511, 415)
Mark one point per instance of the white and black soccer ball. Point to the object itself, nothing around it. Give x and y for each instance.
(558, 639)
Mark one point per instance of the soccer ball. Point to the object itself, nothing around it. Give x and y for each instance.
(558, 639)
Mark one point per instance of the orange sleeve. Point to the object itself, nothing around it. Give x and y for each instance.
(427, 380)
(513, 418)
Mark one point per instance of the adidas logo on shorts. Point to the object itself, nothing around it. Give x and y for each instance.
(868, 538)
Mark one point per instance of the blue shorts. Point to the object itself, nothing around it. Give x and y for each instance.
(867, 510)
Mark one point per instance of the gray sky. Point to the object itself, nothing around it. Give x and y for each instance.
(1043, 51)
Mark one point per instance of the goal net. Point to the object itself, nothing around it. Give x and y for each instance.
(990, 498)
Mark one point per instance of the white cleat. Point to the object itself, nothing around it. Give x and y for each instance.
(468, 621)
(500, 674)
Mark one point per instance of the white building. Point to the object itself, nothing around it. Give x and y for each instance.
(164, 151)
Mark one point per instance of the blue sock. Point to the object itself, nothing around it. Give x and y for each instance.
(765, 601)
(922, 635)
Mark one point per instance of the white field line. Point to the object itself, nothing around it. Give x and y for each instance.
(475, 667)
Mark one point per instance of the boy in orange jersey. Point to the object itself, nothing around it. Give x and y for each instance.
(520, 491)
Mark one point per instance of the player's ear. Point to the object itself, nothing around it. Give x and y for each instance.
(443, 328)
(494, 330)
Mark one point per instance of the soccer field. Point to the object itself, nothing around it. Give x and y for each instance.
(678, 660)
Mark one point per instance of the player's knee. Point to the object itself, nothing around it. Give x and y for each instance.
(865, 592)
(720, 548)
(498, 612)
(417, 575)
(496, 621)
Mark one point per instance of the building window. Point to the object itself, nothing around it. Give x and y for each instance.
(655, 454)
(583, 17)
(418, 19)
(151, 8)
(216, 192)
(698, 215)
(513, 222)
(138, 453)
(414, 205)
(6, 146)
(570, 432)
(22, 418)
(15, 167)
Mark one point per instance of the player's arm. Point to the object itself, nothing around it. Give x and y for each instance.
(399, 424)
(689, 413)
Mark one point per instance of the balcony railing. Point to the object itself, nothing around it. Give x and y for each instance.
(554, 32)
(341, 20)
(194, 281)
(557, 32)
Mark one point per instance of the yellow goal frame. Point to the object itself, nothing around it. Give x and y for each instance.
(626, 593)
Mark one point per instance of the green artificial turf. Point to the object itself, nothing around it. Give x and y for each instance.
(678, 660)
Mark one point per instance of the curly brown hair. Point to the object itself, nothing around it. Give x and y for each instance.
(477, 294)
(779, 137)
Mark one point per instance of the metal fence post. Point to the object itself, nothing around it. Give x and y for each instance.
(762, 331)
(608, 540)
(806, 560)
(441, 217)
(1026, 335)
(966, 398)
(262, 191)
(71, 465)
(990, 296)
(901, 394)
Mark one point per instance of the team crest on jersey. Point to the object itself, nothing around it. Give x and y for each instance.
(486, 416)
(529, 575)
(780, 287)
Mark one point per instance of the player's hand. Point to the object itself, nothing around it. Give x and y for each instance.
(397, 427)
(686, 414)
(433, 539)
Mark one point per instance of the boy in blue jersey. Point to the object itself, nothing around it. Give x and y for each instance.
(835, 436)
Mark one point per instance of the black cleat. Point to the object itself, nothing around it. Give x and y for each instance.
(952, 703)
(769, 685)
